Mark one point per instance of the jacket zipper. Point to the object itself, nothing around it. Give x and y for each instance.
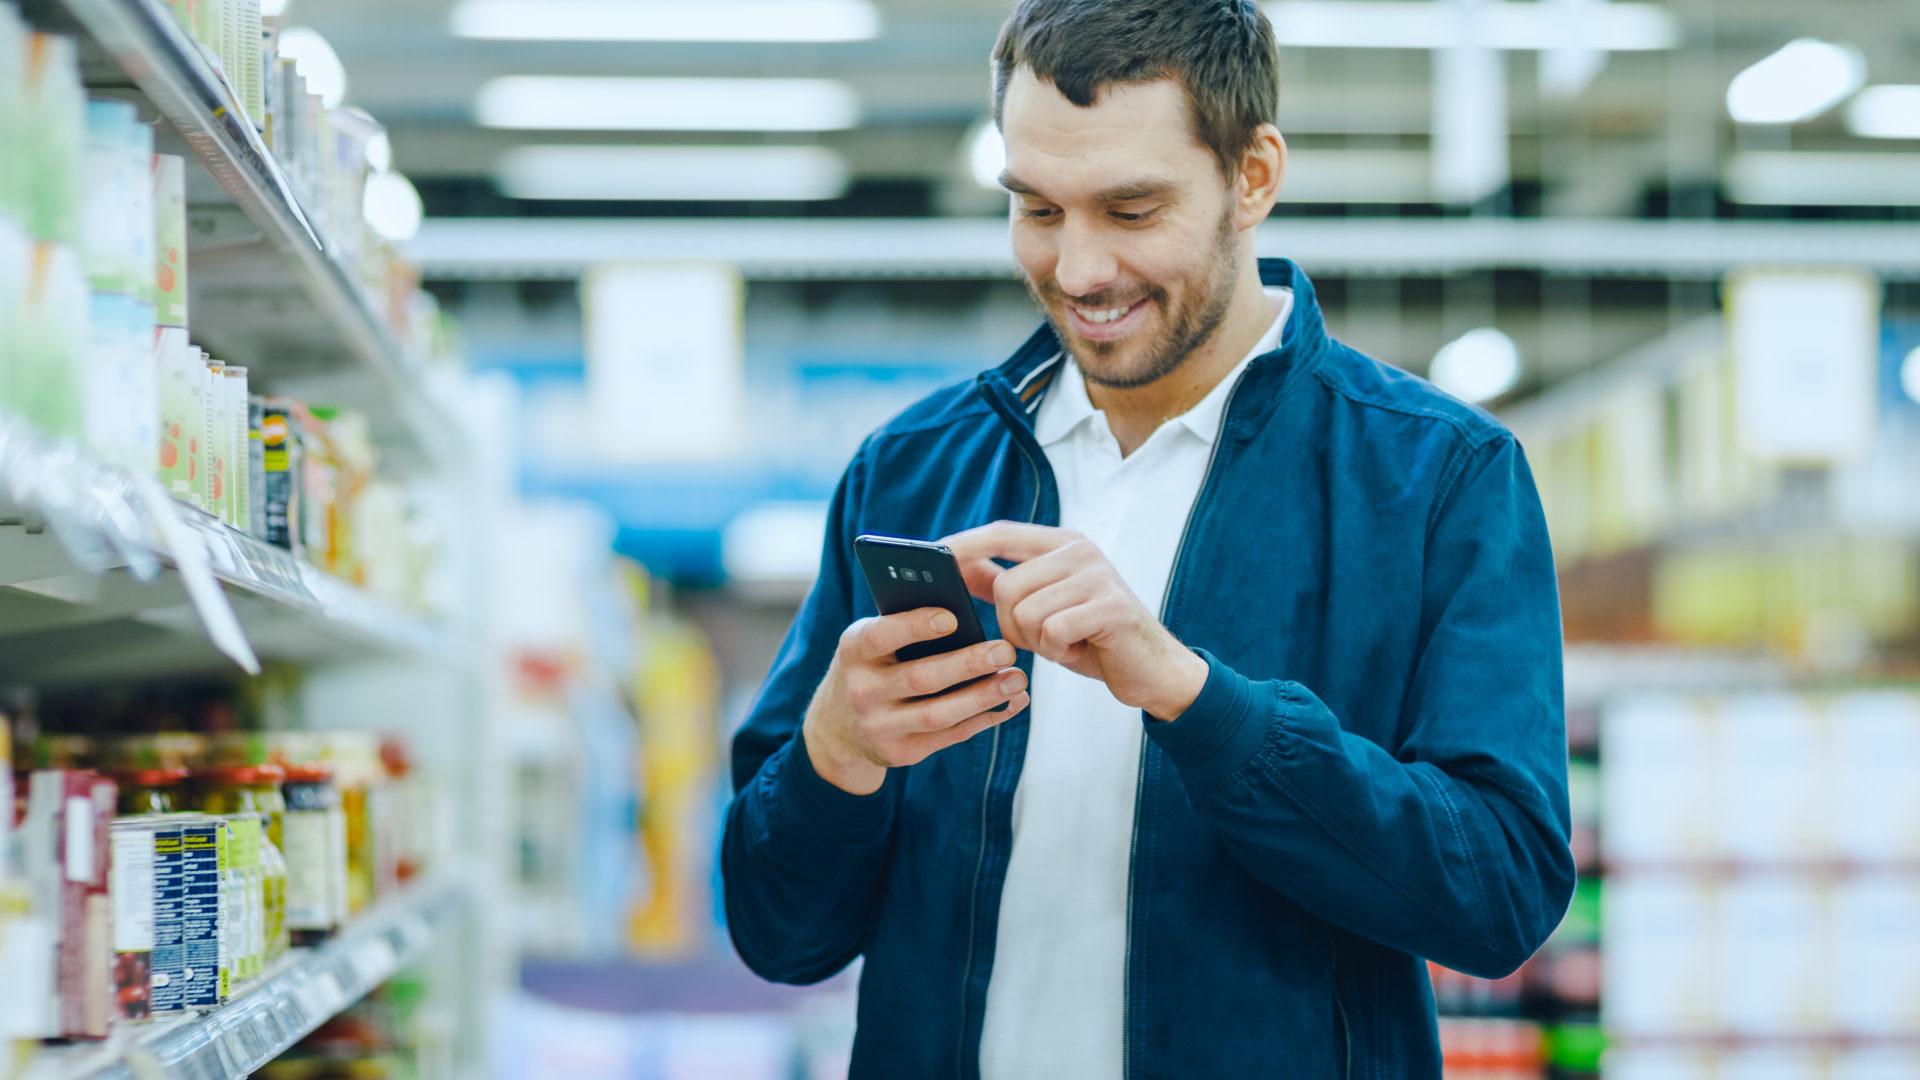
(1140, 783)
(1346, 1030)
(986, 795)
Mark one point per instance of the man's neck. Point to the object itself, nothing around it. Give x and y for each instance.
(1135, 413)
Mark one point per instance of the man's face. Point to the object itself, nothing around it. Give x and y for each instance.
(1122, 224)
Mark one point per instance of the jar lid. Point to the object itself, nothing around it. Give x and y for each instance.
(311, 772)
(160, 777)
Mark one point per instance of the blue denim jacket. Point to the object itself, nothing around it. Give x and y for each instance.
(1374, 774)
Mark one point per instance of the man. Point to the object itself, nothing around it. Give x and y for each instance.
(1279, 640)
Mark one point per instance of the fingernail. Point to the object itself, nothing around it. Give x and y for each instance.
(944, 623)
(1000, 655)
(1010, 683)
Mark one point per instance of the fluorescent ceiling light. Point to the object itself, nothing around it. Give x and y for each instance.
(1480, 366)
(1885, 112)
(1910, 376)
(1790, 178)
(317, 63)
(391, 206)
(667, 20)
(673, 172)
(986, 154)
(566, 103)
(1805, 78)
(1498, 24)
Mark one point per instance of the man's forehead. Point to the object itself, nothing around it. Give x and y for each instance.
(1132, 131)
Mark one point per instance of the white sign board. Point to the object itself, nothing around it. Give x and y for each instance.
(663, 360)
(1806, 355)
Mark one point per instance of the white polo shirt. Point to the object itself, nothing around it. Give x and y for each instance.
(1055, 1001)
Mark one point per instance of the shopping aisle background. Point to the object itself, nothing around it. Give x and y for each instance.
(579, 307)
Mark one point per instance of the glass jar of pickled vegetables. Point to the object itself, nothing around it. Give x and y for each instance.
(152, 791)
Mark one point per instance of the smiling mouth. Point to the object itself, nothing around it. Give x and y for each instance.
(1103, 324)
(1098, 316)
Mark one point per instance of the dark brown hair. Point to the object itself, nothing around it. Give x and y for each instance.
(1221, 52)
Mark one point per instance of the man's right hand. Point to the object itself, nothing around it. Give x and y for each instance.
(873, 712)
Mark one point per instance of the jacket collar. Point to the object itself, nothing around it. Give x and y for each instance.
(1017, 385)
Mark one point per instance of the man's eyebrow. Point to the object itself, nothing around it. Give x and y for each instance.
(1144, 188)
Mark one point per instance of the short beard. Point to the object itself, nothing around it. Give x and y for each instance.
(1190, 328)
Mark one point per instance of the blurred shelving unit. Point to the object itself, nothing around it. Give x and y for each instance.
(106, 580)
(268, 289)
(306, 988)
(97, 589)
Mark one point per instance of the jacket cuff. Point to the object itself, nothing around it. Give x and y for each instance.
(1218, 733)
(814, 801)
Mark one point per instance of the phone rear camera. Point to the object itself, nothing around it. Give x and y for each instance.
(909, 575)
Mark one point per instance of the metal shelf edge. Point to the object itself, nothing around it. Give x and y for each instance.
(95, 502)
(260, 1023)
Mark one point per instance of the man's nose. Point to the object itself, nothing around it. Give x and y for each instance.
(1086, 262)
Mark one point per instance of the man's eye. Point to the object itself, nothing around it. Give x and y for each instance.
(1131, 216)
(1038, 211)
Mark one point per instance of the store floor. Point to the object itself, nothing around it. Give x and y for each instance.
(708, 1017)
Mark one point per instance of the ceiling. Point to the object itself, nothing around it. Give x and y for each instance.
(1649, 122)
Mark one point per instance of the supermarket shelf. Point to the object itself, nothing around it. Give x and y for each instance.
(89, 588)
(306, 988)
(1593, 673)
(977, 247)
(268, 290)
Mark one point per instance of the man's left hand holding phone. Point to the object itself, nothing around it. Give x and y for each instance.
(874, 711)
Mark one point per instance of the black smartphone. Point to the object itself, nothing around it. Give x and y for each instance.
(907, 574)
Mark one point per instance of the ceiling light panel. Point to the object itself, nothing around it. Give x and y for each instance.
(569, 103)
(1885, 112)
(1805, 78)
(667, 20)
(1501, 24)
(749, 173)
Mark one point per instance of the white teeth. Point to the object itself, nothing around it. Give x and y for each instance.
(1104, 315)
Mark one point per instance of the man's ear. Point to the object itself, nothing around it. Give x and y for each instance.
(1263, 170)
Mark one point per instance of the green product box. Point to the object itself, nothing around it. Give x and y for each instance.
(170, 240)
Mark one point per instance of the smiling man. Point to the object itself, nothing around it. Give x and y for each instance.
(1273, 712)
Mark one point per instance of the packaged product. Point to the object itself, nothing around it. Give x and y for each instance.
(256, 469)
(16, 253)
(180, 421)
(152, 791)
(55, 120)
(146, 936)
(315, 829)
(65, 852)
(204, 977)
(244, 893)
(178, 923)
(120, 408)
(169, 297)
(216, 435)
(117, 208)
(281, 466)
(13, 62)
(233, 421)
(49, 352)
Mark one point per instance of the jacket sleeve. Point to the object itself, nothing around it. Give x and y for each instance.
(1454, 846)
(801, 860)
